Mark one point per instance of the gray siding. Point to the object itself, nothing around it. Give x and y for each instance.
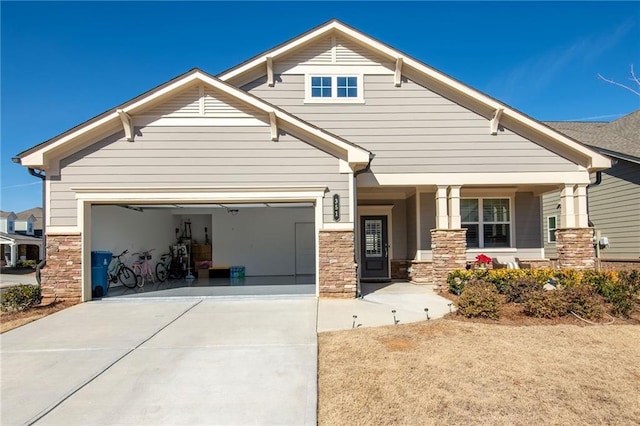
(414, 130)
(427, 219)
(527, 218)
(550, 208)
(614, 210)
(411, 227)
(197, 156)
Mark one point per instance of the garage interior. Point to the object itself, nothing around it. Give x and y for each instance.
(223, 248)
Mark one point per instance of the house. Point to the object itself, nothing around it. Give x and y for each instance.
(614, 203)
(29, 222)
(16, 245)
(332, 156)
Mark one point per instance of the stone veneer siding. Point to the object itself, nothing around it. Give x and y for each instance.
(421, 272)
(449, 247)
(61, 278)
(400, 269)
(337, 268)
(575, 248)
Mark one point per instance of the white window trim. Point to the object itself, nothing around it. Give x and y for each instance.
(480, 222)
(334, 89)
(549, 228)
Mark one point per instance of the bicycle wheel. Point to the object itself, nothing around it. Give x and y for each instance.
(161, 272)
(127, 277)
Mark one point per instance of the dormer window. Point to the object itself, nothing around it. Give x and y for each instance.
(334, 88)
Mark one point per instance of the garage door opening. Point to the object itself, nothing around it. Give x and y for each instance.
(266, 248)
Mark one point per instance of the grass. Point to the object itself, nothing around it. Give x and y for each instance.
(454, 372)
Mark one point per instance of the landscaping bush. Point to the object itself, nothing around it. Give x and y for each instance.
(457, 280)
(518, 290)
(583, 301)
(546, 304)
(480, 299)
(622, 293)
(20, 297)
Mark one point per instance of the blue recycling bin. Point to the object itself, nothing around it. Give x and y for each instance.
(99, 265)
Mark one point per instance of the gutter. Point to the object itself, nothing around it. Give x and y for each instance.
(356, 223)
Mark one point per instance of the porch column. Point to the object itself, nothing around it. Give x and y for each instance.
(442, 217)
(14, 255)
(454, 208)
(448, 240)
(574, 238)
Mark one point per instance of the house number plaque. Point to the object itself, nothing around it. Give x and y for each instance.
(336, 207)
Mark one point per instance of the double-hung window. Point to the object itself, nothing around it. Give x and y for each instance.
(552, 225)
(488, 222)
(334, 88)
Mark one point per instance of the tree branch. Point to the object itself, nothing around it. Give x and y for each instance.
(624, 86)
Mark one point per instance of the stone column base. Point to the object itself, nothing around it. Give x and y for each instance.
(61, 278)
(575, 248)
(400, 269)
(337, 268)
(421, 272)
(449, 248)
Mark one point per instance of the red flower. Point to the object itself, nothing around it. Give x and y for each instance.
(483, 258)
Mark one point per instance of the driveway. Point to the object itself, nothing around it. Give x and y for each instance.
(179, 361)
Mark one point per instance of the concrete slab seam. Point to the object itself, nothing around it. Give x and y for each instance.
(69, 394)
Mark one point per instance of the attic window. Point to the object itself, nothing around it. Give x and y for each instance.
(334, 88)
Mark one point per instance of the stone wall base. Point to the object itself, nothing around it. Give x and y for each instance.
(61, 278)
(421, 272)
(575, 248)
(449, 247)
(400, 269)
(337, 268)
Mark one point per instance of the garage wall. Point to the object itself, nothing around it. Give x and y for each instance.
(260, 239)
(115, 229)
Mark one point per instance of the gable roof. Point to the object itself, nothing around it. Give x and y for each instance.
(6, 215)
(619, 138)
(436, 80)
(40, 155)
(36, 212)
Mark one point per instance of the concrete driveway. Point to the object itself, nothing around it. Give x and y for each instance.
(179, 361)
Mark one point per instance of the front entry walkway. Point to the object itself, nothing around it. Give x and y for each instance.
(181, 361)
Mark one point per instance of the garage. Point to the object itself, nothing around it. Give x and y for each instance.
(257, 248)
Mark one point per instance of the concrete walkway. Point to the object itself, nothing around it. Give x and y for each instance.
(375, 308)
(158, 362)
(9, 280)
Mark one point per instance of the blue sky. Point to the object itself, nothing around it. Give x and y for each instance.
(65, 62)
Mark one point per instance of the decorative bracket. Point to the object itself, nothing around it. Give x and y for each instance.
(398, 76)
(270, 71)
(127, 124)
(495, 121)
(274, 126)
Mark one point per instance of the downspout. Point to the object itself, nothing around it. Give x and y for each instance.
(356, 223)
(596, 183)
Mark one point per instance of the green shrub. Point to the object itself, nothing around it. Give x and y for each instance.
(621, 293)
(26, 263)
(20, 297)
(583, 301)
(480, 300)
(546, 304)
(518, 290)
(457, 280)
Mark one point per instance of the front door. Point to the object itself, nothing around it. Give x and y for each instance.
(374, 247)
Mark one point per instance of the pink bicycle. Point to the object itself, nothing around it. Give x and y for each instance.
(142, 268)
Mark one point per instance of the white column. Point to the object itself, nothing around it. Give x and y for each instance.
(442, 218)
(567, 212)
(580, 206)
(418, 253)
(454, 208)
(14, 255)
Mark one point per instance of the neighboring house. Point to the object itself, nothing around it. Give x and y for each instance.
(614, 204)
(331, 155)
(29, 222)
(16, 245)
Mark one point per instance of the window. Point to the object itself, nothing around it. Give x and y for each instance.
(552, 225)
(10, 227)
(334, 88)
(488, 222)
(29, 228)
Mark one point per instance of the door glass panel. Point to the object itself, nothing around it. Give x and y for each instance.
(373, 237)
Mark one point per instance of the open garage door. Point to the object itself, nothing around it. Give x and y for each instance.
(266, 248)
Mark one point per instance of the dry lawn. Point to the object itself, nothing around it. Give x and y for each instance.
(453, 372)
